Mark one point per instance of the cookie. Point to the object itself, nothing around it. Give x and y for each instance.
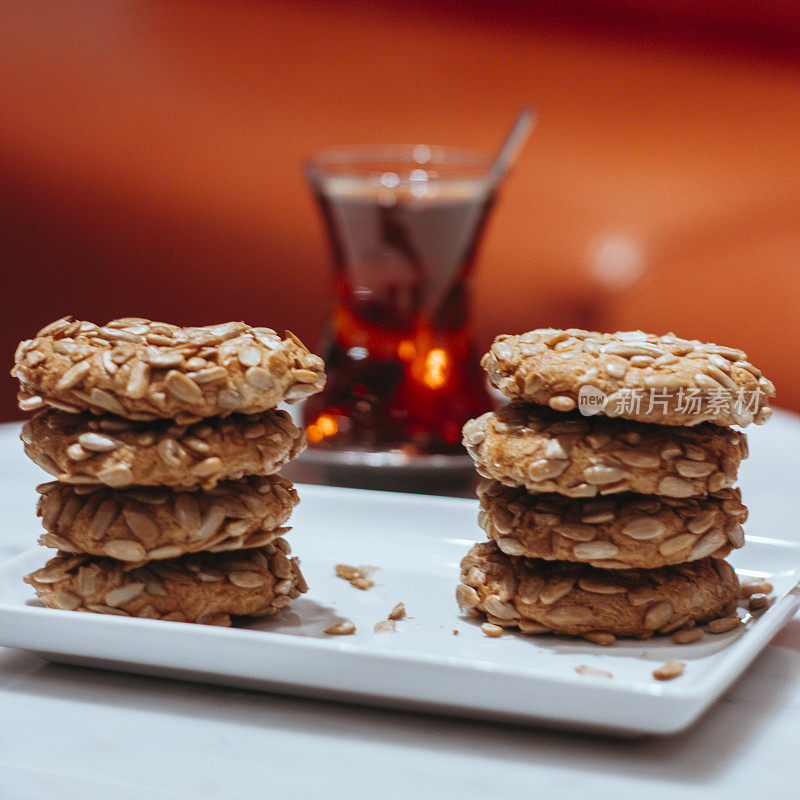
(550, 451)
(83, 449)
(578, 600)
(618, 532)
(145, 524)
(660, 379)
(202, 587)
(148, 370)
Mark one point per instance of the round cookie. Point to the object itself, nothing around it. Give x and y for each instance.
(202, 587)
(691, 381)
(618, 532)
(578, 600)
(117, 452)
(549, 451)
(145, 370)
(146, 524)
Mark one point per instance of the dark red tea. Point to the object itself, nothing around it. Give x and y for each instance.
(402, 373)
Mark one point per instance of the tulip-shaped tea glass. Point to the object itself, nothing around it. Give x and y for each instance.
(404, 223)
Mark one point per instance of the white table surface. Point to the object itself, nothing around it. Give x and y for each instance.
(80, 733)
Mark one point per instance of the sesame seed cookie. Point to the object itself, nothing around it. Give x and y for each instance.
(676, 381)
(618, 532)
(87, 450)
(549, 451)
(147, 370)
(146, 524)
(578, 600)
(202, 587)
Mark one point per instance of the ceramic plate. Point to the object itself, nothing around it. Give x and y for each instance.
(436, 660)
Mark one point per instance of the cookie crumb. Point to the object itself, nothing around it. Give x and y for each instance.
(723, 624)
(347, 572)
(759, 602)
(668, 671)
(600, 637)
(385, 625)
(398, 612)
(455, 632)
(600, 673)
(357, 576)
(342, 629)
(490, 629)
(749, 588)
(687, 636)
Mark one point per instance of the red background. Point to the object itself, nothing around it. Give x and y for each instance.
(150, 152)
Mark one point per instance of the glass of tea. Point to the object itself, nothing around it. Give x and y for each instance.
(404, 223)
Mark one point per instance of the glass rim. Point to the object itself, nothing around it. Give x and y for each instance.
(333, 162)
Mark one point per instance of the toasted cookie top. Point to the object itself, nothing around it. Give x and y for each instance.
(617, 532)
(144, 370)
(635, 375)
(551, 451)
(576, 599)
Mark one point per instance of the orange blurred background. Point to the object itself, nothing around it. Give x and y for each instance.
(150, 159)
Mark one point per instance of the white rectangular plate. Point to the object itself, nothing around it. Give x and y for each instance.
(416, 542)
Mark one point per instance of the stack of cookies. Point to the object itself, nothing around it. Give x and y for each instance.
(609, 500)
(165, 443)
